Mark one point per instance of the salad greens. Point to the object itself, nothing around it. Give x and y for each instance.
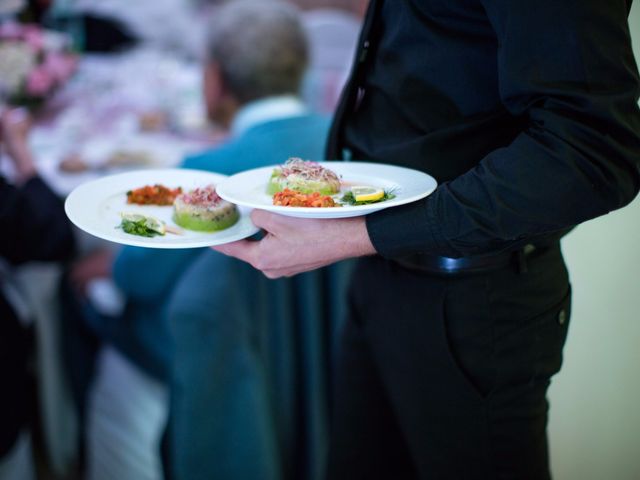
(136, 224)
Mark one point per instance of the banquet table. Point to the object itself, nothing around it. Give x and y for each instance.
(98, 114)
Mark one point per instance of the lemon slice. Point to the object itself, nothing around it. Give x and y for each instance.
(151, 223)
(156, 225)
(362, 193)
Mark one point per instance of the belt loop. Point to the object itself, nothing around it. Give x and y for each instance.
(522, 261)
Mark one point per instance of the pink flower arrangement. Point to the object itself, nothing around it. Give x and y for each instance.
(32, 66)
(58, 66)
(34, 37)
(39, 82)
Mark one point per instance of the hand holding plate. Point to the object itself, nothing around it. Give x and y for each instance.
(295, 245)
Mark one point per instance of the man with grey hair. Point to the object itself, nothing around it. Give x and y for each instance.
(239, 375)
(255, 49)
(221, 425)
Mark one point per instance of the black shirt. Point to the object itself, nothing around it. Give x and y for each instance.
(33, 224)
(525, 111)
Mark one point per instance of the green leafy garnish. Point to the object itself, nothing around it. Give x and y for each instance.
(349, 199)
(138, 227)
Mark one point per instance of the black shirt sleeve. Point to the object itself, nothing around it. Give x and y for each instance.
(33, 224)
(568, 69)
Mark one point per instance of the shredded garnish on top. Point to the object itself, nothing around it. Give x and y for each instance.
(203, 196)
(307, 170)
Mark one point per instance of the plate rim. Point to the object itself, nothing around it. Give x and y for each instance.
(329, 212)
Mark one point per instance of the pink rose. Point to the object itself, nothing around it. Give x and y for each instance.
(59, 66)
(34, 38)
(10, 31)
(39, 82)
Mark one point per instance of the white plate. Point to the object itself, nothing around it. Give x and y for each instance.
(249, 188)
(95, 208)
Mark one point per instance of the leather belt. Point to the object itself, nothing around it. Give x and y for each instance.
(468, 265)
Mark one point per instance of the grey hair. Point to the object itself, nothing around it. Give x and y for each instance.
(260, 47)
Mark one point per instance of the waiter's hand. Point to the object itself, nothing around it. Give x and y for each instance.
(296, 245)
(14, 129)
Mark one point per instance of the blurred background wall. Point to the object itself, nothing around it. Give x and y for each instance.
(595, 400)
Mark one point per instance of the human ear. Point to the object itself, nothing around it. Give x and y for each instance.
(212, 87)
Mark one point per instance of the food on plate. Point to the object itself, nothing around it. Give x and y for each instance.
(145, 225)
(153, 121)
(126, 158)
(303, 183)
(365, 195)
(290, 198)
(73, 163)
(204, 211)
(153, 195)
(303, 176)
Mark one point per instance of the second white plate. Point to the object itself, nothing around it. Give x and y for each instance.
(95, 207)
(249, 188)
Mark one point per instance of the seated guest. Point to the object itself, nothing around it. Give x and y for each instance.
(252, 80)
(34, 227)
(249, 377)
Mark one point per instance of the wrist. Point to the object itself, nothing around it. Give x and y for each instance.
(25, 173)
(24, 165)
(359, 244)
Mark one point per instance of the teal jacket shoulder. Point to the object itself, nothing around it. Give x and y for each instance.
(266, 144)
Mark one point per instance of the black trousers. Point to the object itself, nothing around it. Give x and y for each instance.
(446, 377)
(15, 344)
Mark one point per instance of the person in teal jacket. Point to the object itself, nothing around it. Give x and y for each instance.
(239, 337)
(251, 371)
(147, 277)
(252, 80)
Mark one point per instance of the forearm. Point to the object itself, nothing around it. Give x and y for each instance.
(24, 165)
(345, 238)
(533, 188)
(574, 86)
(14, 127)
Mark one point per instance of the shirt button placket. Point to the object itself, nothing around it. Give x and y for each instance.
(562, 317)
